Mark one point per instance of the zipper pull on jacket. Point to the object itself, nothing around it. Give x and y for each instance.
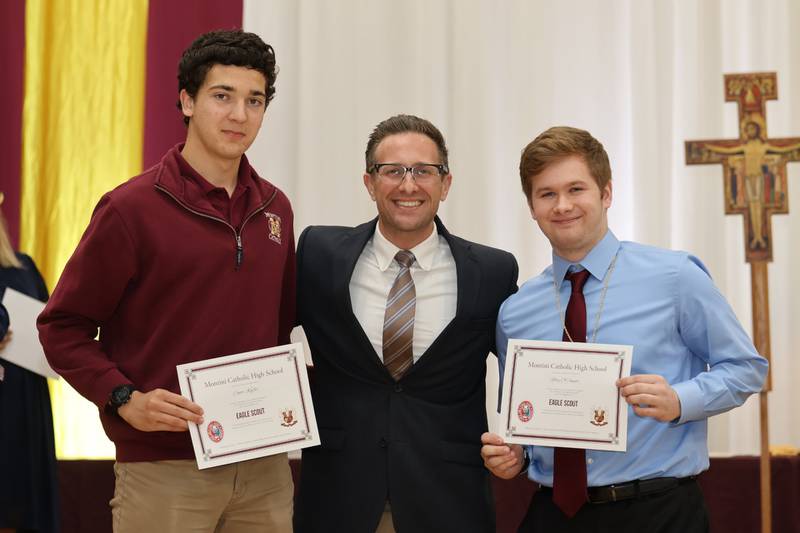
(239, 251)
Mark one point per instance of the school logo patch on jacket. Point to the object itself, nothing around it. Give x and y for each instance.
(274, 225)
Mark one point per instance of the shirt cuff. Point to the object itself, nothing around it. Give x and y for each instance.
(692, 404)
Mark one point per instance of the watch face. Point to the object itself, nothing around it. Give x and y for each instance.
(121, 395)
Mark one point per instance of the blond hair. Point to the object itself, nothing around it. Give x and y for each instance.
(7, 256)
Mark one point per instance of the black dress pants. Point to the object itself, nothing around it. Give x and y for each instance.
(679, 510)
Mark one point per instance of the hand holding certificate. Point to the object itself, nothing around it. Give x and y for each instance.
(564, 394)
(255, 404)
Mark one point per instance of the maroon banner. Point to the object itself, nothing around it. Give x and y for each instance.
(172, 26)
(12, 58)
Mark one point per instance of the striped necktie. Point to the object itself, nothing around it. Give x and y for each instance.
(398, 321)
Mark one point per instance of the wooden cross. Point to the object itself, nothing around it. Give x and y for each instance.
(755, 165)
(755, 186)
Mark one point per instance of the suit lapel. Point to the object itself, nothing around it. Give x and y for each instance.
(467, 272)
(342, 271)
(468, 285)
(350, 250)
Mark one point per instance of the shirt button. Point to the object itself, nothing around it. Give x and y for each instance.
(589, 461)
(398, 387)
(382, 443)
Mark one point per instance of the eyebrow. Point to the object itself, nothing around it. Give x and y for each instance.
(233, 90)
(570, 184)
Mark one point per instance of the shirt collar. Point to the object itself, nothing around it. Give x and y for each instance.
(424, 252)
(596, 261)
(206, 187)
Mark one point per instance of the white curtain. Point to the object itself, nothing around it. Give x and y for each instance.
(641, 75)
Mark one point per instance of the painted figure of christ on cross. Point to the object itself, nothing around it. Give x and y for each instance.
(755, 166)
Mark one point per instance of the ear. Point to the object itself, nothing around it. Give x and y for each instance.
(187, 103)
(369, 185)
(607, 195)
(447, 180)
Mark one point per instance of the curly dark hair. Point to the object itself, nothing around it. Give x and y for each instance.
(225, 47)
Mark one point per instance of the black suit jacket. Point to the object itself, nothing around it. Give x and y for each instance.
(417, 441)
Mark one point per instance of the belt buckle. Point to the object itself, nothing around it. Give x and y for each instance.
(613, 492)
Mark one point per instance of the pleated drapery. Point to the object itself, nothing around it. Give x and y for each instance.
(83, 115)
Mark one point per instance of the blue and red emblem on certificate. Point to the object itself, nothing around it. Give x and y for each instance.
(525, 411)
(215, 431)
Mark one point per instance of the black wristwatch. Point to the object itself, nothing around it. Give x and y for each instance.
(119, 397)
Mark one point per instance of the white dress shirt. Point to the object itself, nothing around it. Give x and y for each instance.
(435, 281)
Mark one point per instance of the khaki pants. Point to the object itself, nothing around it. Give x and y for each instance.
(174, 496)
(386, 525)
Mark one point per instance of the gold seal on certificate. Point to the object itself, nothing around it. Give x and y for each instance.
(255, 404)
(564, 394)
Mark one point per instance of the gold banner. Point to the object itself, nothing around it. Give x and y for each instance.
(83, 120)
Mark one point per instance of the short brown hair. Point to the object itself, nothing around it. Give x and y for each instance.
(557, 143)
(405, 124)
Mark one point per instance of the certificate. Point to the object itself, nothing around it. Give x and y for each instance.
(24, 348)
(254, 404)
(564, 394)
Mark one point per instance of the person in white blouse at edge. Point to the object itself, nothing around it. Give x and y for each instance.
(692, 359)
(399, 315)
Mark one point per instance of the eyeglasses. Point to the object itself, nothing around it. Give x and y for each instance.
(394, 173)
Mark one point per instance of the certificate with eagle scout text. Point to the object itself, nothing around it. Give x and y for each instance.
(564, 394)
(254, 404)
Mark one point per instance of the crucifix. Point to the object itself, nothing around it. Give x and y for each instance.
(755, 186)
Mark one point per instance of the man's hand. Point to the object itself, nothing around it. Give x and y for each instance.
(5, 340)
(650, 395)
(160, 410)
(501, 459)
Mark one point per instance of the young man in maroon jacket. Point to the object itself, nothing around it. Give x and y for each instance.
(192, 259)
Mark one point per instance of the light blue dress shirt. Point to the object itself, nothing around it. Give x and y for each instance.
(665, 304)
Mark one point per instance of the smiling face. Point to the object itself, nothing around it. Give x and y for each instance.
(569, 207)
(406, 210)
(226, 113)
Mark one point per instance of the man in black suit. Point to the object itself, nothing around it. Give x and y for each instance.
(400, 316)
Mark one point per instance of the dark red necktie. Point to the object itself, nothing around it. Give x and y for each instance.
(569, 470)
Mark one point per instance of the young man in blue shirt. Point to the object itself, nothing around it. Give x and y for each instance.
(692, 359)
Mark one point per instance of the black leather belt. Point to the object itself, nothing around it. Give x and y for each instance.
(633, 489)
